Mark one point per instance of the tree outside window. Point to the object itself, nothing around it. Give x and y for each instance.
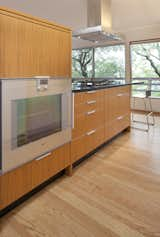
(145, 60)
(82, 63)
(100, 62)
(110, 61)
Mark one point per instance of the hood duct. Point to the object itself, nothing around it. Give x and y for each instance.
(99, 23)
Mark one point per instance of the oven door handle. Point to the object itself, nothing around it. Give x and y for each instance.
(43, 156)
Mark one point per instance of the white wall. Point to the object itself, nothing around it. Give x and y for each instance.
(71, 13)
(136, 19)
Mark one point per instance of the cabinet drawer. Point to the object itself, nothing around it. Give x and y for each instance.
(93, 95)
(94, 138)
(43, 169)
(94, 119)
(22, 180)
(118, 101)
(78, 148)
(87, 143)
(116, 126)
(123, 122)
(94, 104)
(88, 106)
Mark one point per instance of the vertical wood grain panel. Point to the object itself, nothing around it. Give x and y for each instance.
(29, 49)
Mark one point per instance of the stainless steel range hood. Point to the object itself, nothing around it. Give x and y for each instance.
(99, 23)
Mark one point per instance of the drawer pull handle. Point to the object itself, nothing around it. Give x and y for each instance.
(91, 92)
(120, 118)
(43, 156)
(120, 94)
(91, 132)
(91, 102)
(91, 112)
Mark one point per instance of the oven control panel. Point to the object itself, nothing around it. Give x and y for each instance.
(42, 83)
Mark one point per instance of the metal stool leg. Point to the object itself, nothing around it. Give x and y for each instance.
(142, 122)
(151, 113)
(147, 120)
(134, 102)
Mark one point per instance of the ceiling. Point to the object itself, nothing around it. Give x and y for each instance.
(135, 13)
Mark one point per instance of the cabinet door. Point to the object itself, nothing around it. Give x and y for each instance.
(93, 139)
(22, 180)
(78, 149)
(15, 184)
(30, 48)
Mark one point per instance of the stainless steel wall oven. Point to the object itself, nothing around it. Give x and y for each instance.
(35, 118)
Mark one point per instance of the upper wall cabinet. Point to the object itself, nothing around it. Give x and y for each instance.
(32, 47)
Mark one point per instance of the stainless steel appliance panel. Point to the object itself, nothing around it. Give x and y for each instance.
(26, 112)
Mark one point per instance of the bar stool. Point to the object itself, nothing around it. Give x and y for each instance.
(146, 101)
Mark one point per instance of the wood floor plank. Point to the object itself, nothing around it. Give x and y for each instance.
(115, 193)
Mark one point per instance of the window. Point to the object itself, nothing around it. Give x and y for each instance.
(110, 61)
(82, 63)
(145, 61)
(100, 62)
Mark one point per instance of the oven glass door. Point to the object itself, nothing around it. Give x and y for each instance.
(34, 118)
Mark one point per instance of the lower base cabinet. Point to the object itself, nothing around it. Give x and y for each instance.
(22, 180)
(99, 116)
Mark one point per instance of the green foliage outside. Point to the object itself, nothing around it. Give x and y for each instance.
(82, 63)
(109, 62)
(145, 60)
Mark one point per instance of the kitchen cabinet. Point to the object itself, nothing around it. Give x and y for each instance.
(22, 180)
(98, 116)
(88, 131)
(31, 47)
(117, 110)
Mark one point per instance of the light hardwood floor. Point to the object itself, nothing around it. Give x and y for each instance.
(114, 193)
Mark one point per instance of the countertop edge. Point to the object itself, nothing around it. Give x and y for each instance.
(104, 87)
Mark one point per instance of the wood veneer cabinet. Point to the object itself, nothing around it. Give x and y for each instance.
(88, 132)
(20, 181)
(31, 47)
(117, 110)
(98, 117)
